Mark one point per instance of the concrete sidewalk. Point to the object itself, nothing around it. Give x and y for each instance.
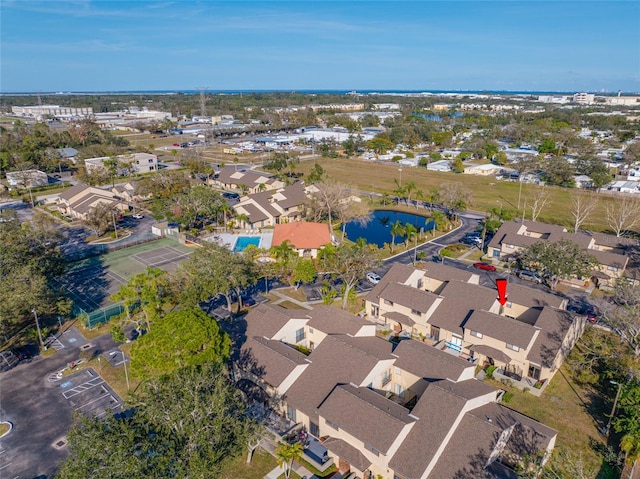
(284, 297)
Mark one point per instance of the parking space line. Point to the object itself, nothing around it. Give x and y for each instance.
(97, 381)
(99, 398)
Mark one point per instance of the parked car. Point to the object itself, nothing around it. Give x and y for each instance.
(484, 266)
(373, 278)
(471, 240)
(137, 216)
(248, 300)
(25, 352)
(529, 276)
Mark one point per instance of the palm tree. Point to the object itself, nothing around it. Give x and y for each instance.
(284, 251)
(410, 232)
(409, 188)
(397, 229)
(385, 198)
(286, 454)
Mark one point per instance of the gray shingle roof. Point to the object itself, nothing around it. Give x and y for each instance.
(428, 362)
(501, 328)
(335, 321)
(347, 452)
(366, 415)
(460, 299)
(409, 297)
(274, 360)
(554, 325)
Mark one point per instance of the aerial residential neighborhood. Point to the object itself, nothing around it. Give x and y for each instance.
(307, 240)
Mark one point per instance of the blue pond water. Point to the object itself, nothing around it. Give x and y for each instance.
(243, 241)
(378, 229)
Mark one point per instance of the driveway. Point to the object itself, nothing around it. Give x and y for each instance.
(40, 407)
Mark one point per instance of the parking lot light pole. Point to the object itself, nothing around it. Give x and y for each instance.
(35, 313)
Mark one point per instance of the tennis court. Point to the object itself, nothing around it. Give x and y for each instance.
(92, 281)
(168, 257)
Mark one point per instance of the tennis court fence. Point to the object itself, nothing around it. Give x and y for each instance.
(99, 316)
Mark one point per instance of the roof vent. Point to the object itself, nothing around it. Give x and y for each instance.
(489, 419)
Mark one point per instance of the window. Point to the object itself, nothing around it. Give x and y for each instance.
(314, 429)
(509, 304)
(150, 161)
(300, 335)
(310, 330)
(476, 334)
(386, 377)
(398, 372)
(417, 313)
(496, 253)
(372, 449)
(612, 268)
(388, 303)
(333, 425)
(513, 347)
(399, 391)
(420, 283)
(291, 413)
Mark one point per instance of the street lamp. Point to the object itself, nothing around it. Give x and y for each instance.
(615, 403)
(400, 184)
(124, 362)
(35, 313)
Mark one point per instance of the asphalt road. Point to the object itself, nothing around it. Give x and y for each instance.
(40, 412)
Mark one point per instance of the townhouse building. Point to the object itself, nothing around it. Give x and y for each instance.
(527, 338)
(252, 181)
(272, 207)
(611, 252)
(378, 409)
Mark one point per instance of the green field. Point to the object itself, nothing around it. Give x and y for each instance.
(487, 192)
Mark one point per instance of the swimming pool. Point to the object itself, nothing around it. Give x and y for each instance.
(243, 241)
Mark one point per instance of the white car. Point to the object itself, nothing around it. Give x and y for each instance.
(137, 216)
(373, 278)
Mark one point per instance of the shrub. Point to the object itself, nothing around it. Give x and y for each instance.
(489, 371)
(507, 397)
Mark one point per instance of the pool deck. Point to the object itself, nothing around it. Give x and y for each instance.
(229, 239)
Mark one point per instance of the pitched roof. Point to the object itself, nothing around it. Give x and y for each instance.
(532, 298)
(271, 360)
(398, 273)
(365, 415)
(408, 296)
(443, 272)
(460, 299)
(73, 191)
(267, 319)
(428, 362)
(337, 359)
(502, 328)
(437, 410)
(302, 234)
(251, 178)
(347, 452)
(335, 321)
(554, 325)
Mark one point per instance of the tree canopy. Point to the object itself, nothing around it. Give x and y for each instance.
(557, 260)
(187, 424)
(186, 337)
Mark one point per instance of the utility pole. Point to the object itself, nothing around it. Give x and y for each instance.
(203, 101)
(35, 313)
(613, 411)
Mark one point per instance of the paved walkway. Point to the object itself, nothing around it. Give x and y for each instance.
(270, 446)
(284, 297)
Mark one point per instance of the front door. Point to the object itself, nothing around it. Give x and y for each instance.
(435, 333)
(534, 372)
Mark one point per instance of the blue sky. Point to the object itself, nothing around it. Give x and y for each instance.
(138, 45)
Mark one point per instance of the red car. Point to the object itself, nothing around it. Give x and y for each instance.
(176, 144)
(484, 266)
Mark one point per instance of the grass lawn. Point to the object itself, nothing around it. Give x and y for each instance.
(261, 464)
(290, 305)
(297, 294)
(487, 192)
(572, 410)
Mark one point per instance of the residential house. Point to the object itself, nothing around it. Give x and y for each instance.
(610, 252)
(528, 338)
(77, 201)
(307, 238)
(67, 154)
(272, 207)
(252, 181)
(126, 164)
(375, 409)
(27, 178)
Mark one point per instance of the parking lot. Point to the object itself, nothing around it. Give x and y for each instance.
(40, 405)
